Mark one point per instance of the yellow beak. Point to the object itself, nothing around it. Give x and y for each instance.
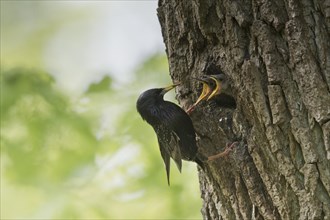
(217, 89)
(205, 92)
(168, 88)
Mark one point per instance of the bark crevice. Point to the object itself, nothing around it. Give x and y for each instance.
(277, 57)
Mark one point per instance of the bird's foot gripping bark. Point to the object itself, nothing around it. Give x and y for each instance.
(229, 148)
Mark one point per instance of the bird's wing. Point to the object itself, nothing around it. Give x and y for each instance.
(169, 147)
(178, 121)
(166, 159)
(176, 153)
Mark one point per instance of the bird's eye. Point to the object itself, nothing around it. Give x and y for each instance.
(153, 111)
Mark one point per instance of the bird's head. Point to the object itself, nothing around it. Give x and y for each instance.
(152, 97)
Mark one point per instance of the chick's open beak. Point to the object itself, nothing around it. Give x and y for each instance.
(205, 92)
(217, 89)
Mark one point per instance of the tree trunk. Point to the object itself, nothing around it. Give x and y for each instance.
(277, 57)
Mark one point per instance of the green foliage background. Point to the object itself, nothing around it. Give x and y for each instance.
(85, 157)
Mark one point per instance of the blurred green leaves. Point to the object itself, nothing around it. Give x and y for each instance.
(91, 157)
(40, 132)
(102, 86)
(83, 155)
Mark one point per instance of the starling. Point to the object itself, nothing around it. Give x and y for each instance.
(174, 128)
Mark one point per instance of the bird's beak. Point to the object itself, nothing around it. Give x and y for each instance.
(168, 88)
(205, 92)
(217, 89)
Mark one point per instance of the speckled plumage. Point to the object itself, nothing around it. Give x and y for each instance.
(174, 128)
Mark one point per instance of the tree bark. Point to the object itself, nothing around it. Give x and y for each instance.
(277, 57)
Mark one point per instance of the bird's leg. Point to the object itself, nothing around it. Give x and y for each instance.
(229, 147)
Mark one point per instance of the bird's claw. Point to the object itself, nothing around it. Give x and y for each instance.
(230, 147)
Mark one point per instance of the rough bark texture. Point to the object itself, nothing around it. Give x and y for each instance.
(276, 54)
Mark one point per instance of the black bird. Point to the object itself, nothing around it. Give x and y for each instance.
(174, 128)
